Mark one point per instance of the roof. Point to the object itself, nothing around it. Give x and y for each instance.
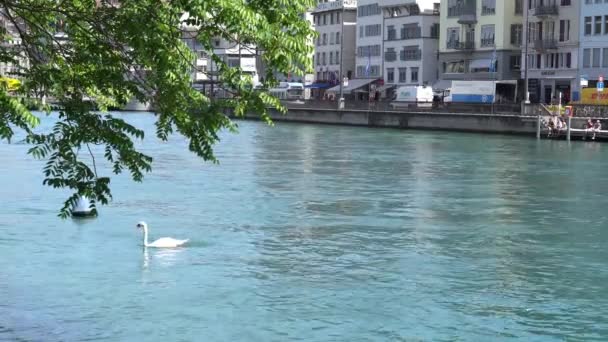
(352, 85)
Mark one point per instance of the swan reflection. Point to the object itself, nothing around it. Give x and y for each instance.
(162, 257)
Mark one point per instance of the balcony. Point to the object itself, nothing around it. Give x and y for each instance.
(545, 44)
(544, 11)
(487, 42)
(462, 46)
(467, 15)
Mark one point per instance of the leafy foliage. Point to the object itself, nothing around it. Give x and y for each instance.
(115, 52)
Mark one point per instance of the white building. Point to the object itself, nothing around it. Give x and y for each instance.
(335, 23)
(411, 40)
(593, 40)
(369, 39)
(552, 49)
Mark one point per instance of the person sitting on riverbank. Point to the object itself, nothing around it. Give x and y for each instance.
(596, 128)
(588, 128)
(552, 127)
(563, 126)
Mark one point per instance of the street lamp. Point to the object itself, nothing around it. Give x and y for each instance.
(525, 59)
(341, 79)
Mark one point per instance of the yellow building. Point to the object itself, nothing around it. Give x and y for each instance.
(480, 40)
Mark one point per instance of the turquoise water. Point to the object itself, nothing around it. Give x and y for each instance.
(318, 233)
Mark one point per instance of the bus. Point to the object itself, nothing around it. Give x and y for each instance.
(288, 91)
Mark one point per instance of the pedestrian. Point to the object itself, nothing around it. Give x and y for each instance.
(596, 128)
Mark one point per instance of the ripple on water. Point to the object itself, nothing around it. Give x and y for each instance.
(318, 233)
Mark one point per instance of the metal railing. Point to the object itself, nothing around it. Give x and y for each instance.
(465, 46)
(545, 44)
(389, 106)
(546, 10)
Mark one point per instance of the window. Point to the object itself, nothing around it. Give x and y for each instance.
(390, 75)
(390, 55)
(519, 7)
(364, 71)
(402, 75)
(337, 37)
(361, 31)
(588, 26)
(564, 30)
(586, 58)
(338, 17)
(318, 58)
(338, 61)
(367, 10)
(324, 38)
(410, 53)
(331, 58)
(455, 67)
(516, 34)
(331, 39)
(391, 32)
(410, 31)
(373, 30)
(568, 60)
(323, 57)
(368, 50)
(565, 2)
(331, 18)
(598, 24)
(596, 57)
(605, 60)
(606, 24)
(413, 75)
(487, 35)
(454, 8)
(453, 37)
(515, 63)
(488, 7)
(435, 31)
(324, 19)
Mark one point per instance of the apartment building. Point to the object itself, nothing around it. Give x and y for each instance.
(481, 40)
(593, 50)
(410, 41)
(552, 49)
(369, 39)
(336, 23)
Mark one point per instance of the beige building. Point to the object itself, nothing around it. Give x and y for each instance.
(480, 40)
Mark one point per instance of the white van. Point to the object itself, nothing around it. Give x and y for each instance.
(413, 95)
(288, 91)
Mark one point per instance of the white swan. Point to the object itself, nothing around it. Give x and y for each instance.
(165, 242)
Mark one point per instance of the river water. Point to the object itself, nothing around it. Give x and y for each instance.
(318, 233)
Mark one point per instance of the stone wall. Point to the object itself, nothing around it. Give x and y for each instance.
(511, 124)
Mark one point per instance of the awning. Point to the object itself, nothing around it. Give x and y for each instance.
(480, 64)
(442, 85)
(318, 86)
(352, 85)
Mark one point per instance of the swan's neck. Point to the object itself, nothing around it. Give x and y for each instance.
(146, 236)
